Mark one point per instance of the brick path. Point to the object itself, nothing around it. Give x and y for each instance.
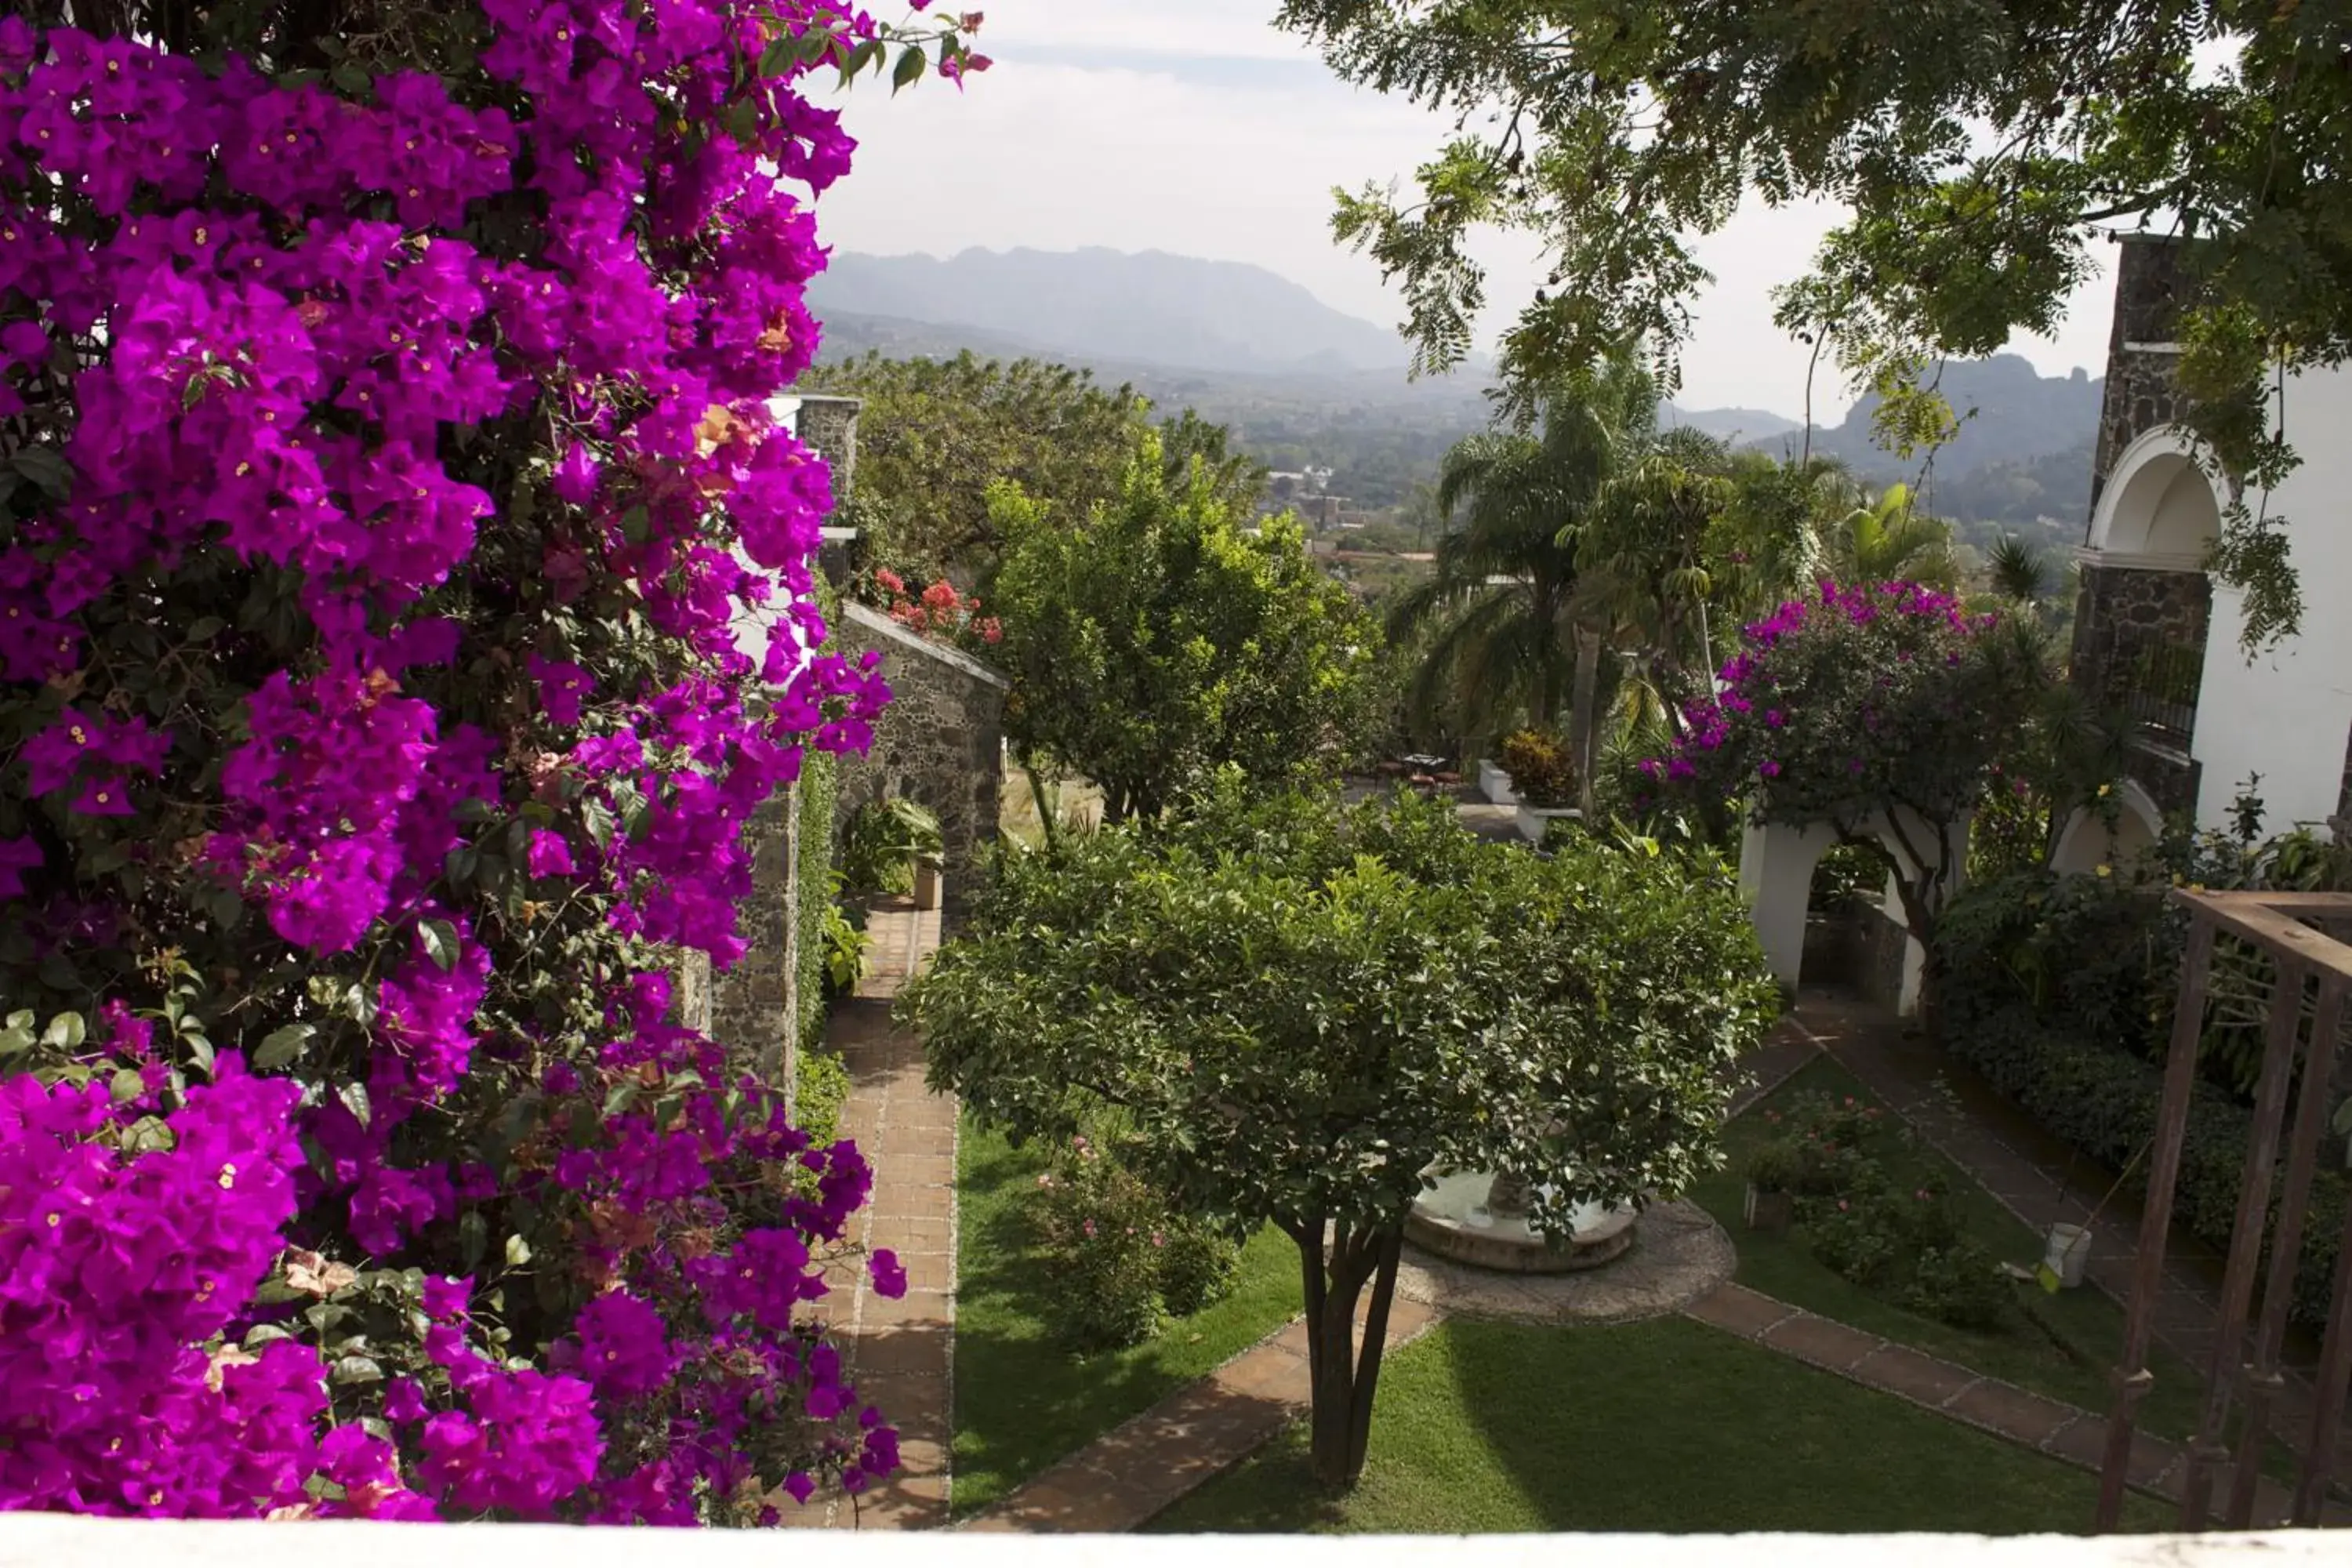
(2063, 1431)
(1135, 1471)
(902, 1352)
(2041, 1182)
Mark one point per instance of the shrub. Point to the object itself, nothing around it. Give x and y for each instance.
(2103, 1101)
(1198, 1267)
(1904, 1242)
(820, 1089)
(1542, 768)
(820, 893)
(1104, 1230)
(879, 847)
(845, 942)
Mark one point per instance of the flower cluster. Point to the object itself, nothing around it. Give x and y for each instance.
(938, 610)
(390, 461)
(1841, 703)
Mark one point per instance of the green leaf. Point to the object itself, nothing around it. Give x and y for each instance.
(358, 1369)
(45, 466)
(624, 1096)
(354, 1097)
(200, 1051)
(280, 1047)
(517, 1252)
(126, 1086)
(440, 940)
(263, 1333)
(206, 627)
(472, 1239)
(2047, 1278)
(66, 1032)
(910, 66)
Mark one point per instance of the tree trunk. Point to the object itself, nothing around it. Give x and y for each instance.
(1580, 715)
(1342, 1377)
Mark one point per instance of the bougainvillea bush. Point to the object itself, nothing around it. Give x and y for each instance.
(386, 456)
(1861, 705)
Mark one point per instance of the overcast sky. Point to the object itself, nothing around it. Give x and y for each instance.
(1192, 126)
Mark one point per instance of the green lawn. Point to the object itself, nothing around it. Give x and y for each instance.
(1663, 1425)
(2086, 1318)
(1022, 1401)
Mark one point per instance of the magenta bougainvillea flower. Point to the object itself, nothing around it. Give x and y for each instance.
(401, 467)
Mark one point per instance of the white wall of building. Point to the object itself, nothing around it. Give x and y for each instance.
(2286, 713)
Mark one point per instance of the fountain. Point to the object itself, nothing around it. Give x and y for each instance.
(1480, 1219)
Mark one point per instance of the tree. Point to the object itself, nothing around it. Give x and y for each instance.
(1295, 1012)
(1860, 709)
(1980, 149)
(1508, 634)
(1890, 540)
(374, 510)
(1650, 552)
(1158, 637)
(935, 434)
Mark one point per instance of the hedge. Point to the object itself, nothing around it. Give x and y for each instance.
(2103, 1102)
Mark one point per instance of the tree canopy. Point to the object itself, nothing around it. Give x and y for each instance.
(1981, 150)
(1155, 637)
(935, 434)
(1294, 1012)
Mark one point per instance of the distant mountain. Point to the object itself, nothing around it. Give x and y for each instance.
(1729, 423)
(1150, 308)
(2009, 413)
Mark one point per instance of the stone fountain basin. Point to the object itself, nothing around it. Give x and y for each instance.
(1451, 1220)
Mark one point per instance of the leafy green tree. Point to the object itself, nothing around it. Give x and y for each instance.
(1510, 636)
(935, 434)
(1979, 147)
(1295, 1012)
(1890, 540)
(1158, 637)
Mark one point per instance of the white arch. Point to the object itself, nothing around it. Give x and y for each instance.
(2087, 843)
(2160, 507)
(1776, 874)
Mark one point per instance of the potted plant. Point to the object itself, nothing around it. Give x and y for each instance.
(1773, 1172)
(1543, 778)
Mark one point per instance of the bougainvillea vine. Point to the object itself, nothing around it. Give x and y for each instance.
(386, 457)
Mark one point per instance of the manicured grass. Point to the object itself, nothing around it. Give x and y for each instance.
(2084, 1318)
(1663, 1425)
(1022, 1401)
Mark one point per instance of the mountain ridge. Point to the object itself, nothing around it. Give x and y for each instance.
(1151, 307)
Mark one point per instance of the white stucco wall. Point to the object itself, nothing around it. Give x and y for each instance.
(2285, 714)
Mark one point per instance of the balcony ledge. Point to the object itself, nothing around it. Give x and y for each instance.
(63, 1541)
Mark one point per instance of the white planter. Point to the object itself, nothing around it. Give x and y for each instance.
(1533, 819)
(2069, 1254)
(1495, 784)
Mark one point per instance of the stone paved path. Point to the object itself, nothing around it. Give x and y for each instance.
(2041, 1182)
(903, 1351)
(2063, 1431)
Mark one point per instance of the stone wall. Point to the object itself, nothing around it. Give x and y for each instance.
(941, 744)
(828, 425)
(2139, 394)
(2123, 611)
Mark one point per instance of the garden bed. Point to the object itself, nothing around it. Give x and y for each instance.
(2025, 1349)
(1664, 1425)
(1023, 1401)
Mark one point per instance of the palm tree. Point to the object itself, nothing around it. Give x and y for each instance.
(1508, 634)
(1650, 552)
(1889, 540)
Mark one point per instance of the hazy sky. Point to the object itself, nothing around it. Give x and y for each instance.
(1192, 126)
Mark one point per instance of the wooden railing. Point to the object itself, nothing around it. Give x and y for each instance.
(2243, 1373)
